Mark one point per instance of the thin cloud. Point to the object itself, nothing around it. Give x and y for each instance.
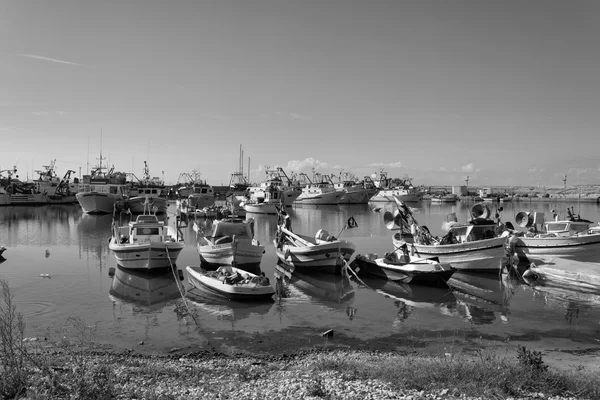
(47, 113)
(307, 165)
(396, 164)
(55, 60)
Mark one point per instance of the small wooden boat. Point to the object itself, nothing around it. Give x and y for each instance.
(232, 240)
(146, 243)
(405, 269)
(473, 246)
(322, 253)
(231, 283)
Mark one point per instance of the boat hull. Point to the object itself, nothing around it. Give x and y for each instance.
(330, 198)
(566, 274)
(247, 255)
(355, 197)
(582, 248)
(322, 258)
(200, 280)
(421, 272)
(98, 203)
(261, 208)
(480, 255)
(136, 204)
(40, 198)
(146, 256)
(387, 195)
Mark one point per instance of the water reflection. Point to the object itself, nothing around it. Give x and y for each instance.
(482, 296)
(147, 288)
(410, 297)
(331, 290)
(203, 303)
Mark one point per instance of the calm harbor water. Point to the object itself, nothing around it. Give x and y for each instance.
(58, 265)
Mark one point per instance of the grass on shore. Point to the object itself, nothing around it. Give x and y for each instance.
(62, 366)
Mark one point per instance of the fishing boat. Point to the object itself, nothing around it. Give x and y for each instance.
(230, 242)
(322, 253)
(319, 193)
(269, 204)
(146, 243)
(477, 245)
(445, 198)
(148, 188)
(389, 189)
(231, 283)
(198, 192)
(48, 188)
(404, 268)
(146, 288)
(571, 237)
(353, 192)
(101, 190)
(275, 178)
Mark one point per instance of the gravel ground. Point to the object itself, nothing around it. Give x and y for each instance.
(205, 375)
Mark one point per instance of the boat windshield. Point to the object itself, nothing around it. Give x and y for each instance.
(230, 230)
(557, 227)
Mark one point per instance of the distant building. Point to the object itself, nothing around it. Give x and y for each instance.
(460, 190)
(486, 191)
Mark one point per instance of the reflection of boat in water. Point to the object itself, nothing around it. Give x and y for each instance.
(207, 303)
(95, 224)
(481, 295)
(415, 296)
(145, 287)
(329, 289)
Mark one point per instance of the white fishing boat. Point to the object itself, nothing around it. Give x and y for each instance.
(146, 243)
(319, 193)
(321, 253)
(269, 204)
(148, 188)
(571, 237)
(48, 188)
(404, 268)
(476, 245)
(230, 242)
(199, 193)
(389, 189)
(231, 283)
(446, 198)
(102, 190)
(275, 178)
(353, 191)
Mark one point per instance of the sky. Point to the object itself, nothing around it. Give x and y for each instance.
(496, 92)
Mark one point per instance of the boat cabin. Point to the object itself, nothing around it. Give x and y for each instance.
(462, 233)
(233, 226)
(146, 228)
(566, 228)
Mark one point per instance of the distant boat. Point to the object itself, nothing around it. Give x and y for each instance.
(199, 193)
(147, 188)
(275, 178)
(102, 190)
(319, 193)
(48, 188)
(446, 198)
(388, 189)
